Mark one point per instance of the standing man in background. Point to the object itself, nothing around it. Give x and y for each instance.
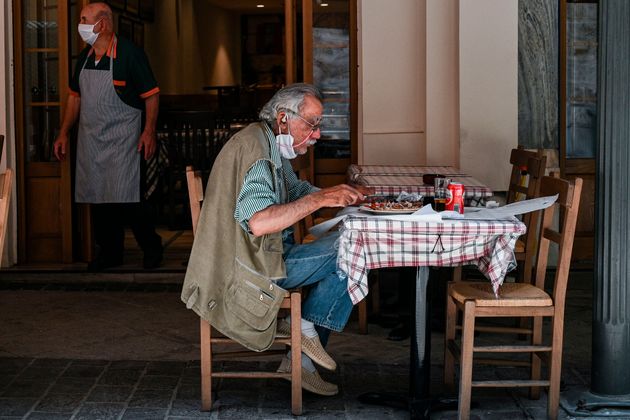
(112, 84)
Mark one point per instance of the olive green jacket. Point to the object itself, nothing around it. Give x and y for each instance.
(230, 277)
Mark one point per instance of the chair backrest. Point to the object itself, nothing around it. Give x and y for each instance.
(195, 195)
(527, 164)
(6, 180)
(568, 204)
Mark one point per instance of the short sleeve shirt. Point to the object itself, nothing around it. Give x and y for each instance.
(258, 191)
(132, 76)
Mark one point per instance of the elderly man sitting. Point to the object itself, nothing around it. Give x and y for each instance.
(244, 249)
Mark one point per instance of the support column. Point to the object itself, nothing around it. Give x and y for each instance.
(611, 293)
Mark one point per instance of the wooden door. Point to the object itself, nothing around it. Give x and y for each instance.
(41, 74)
(578, 112)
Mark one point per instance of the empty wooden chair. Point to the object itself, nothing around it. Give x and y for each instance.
(528, 299)
(528, 169)
(6, 180)
(291, 302)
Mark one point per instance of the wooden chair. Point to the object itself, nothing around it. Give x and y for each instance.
(6, 180)
(291, 302)
(527, 299)
(527, 166)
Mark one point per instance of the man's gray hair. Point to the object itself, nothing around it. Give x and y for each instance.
(289, 98)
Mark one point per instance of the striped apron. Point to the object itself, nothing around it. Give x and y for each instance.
(108, 164)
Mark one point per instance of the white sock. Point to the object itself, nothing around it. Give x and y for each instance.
(307, 327)
(307, 363)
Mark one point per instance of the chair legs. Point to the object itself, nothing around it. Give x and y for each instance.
(296, 360)
(206, 364)
(466, 365)
(449, 336)
(296, 355)
(555, 367)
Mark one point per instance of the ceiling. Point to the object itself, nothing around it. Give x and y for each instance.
(274, 6)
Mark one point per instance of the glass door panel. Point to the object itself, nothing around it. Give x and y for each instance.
(581, 74)
(40, 23)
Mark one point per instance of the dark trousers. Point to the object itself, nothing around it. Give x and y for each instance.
(109, 221)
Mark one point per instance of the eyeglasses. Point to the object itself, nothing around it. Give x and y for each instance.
(314, 126)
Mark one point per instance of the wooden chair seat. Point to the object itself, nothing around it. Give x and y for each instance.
(524, 300)
(519, 247)
(291, 302)
(510, 294)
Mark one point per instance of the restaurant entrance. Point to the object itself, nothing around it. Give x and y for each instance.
(218, 59)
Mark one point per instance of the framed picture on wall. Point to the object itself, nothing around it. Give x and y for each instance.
(138, 34)
(125, 27)
(133, 6)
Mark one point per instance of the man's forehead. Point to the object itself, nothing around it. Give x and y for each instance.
(312, 106)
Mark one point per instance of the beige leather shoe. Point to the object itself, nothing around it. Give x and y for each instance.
(311, 346)
(311, 381)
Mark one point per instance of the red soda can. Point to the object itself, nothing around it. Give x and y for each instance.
(456, 197)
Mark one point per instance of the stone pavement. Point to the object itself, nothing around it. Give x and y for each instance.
(103, 351)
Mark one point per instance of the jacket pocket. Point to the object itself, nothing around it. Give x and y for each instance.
(273, 243)
(253, 298)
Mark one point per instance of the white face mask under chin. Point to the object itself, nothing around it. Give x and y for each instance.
(285, 145)
(87, 33)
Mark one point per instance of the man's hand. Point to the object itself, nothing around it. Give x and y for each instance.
(59, 148)
(148, 143)
(338, 196)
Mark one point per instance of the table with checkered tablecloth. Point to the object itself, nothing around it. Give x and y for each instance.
(374, 242)
(368, 242)
(394, 179)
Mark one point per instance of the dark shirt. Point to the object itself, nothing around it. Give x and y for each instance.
(133, 78)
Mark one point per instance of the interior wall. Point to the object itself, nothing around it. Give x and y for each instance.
(442, 82)
(392, 82)
(488, 80)
(192, 44)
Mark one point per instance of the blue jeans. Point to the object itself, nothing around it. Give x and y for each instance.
(314, 264)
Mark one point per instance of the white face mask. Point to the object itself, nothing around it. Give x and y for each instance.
(87, 33)
(285, 144)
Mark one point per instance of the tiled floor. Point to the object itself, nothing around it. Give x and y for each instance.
(102, 348)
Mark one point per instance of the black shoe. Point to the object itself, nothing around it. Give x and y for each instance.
(100, 263)
(152, 260)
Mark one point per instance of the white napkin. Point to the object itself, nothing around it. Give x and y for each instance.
(508, 211)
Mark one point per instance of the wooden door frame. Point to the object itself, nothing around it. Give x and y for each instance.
(46, 169)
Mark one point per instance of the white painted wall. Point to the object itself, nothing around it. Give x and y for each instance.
(488, 94)
(442, 82)
(392, 82)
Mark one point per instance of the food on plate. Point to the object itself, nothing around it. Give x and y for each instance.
(392, 205)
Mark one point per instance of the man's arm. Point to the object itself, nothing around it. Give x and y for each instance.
(147, 138)
(280, 216)
(73, 105)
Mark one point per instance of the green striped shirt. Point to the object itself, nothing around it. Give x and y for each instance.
(258, 191)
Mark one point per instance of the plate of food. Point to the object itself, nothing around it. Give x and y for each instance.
(392, 207)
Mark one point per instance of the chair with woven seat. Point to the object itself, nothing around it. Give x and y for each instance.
(292, 302)
(527, 299)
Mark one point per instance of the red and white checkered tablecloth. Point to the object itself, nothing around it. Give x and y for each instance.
(392, 180)
(374, 242)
